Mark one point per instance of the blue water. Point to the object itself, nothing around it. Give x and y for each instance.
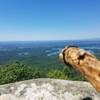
(91, 46)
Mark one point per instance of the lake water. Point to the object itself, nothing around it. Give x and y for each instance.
(91, 46)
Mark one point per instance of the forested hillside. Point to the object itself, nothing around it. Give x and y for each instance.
(19, 72)
(28, 60)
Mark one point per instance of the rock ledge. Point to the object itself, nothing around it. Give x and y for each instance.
(48, 89)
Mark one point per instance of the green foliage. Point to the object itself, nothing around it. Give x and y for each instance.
(72, 74)
(57, 75)
(19, 72)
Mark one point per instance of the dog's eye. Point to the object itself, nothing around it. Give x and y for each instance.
(81, 57)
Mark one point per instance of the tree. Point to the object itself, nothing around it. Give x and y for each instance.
(57, 74)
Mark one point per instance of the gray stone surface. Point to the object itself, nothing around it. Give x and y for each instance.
(48, 89)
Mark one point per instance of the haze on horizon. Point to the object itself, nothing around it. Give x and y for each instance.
(31, 20)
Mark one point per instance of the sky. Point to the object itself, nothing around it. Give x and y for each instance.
(31, 20)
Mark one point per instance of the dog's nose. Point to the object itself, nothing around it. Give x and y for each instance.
(61, 56)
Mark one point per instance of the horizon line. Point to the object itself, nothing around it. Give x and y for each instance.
(49, 40)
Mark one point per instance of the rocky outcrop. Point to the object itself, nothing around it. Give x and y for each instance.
(48, 89)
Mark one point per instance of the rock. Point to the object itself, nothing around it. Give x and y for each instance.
(48, 89)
